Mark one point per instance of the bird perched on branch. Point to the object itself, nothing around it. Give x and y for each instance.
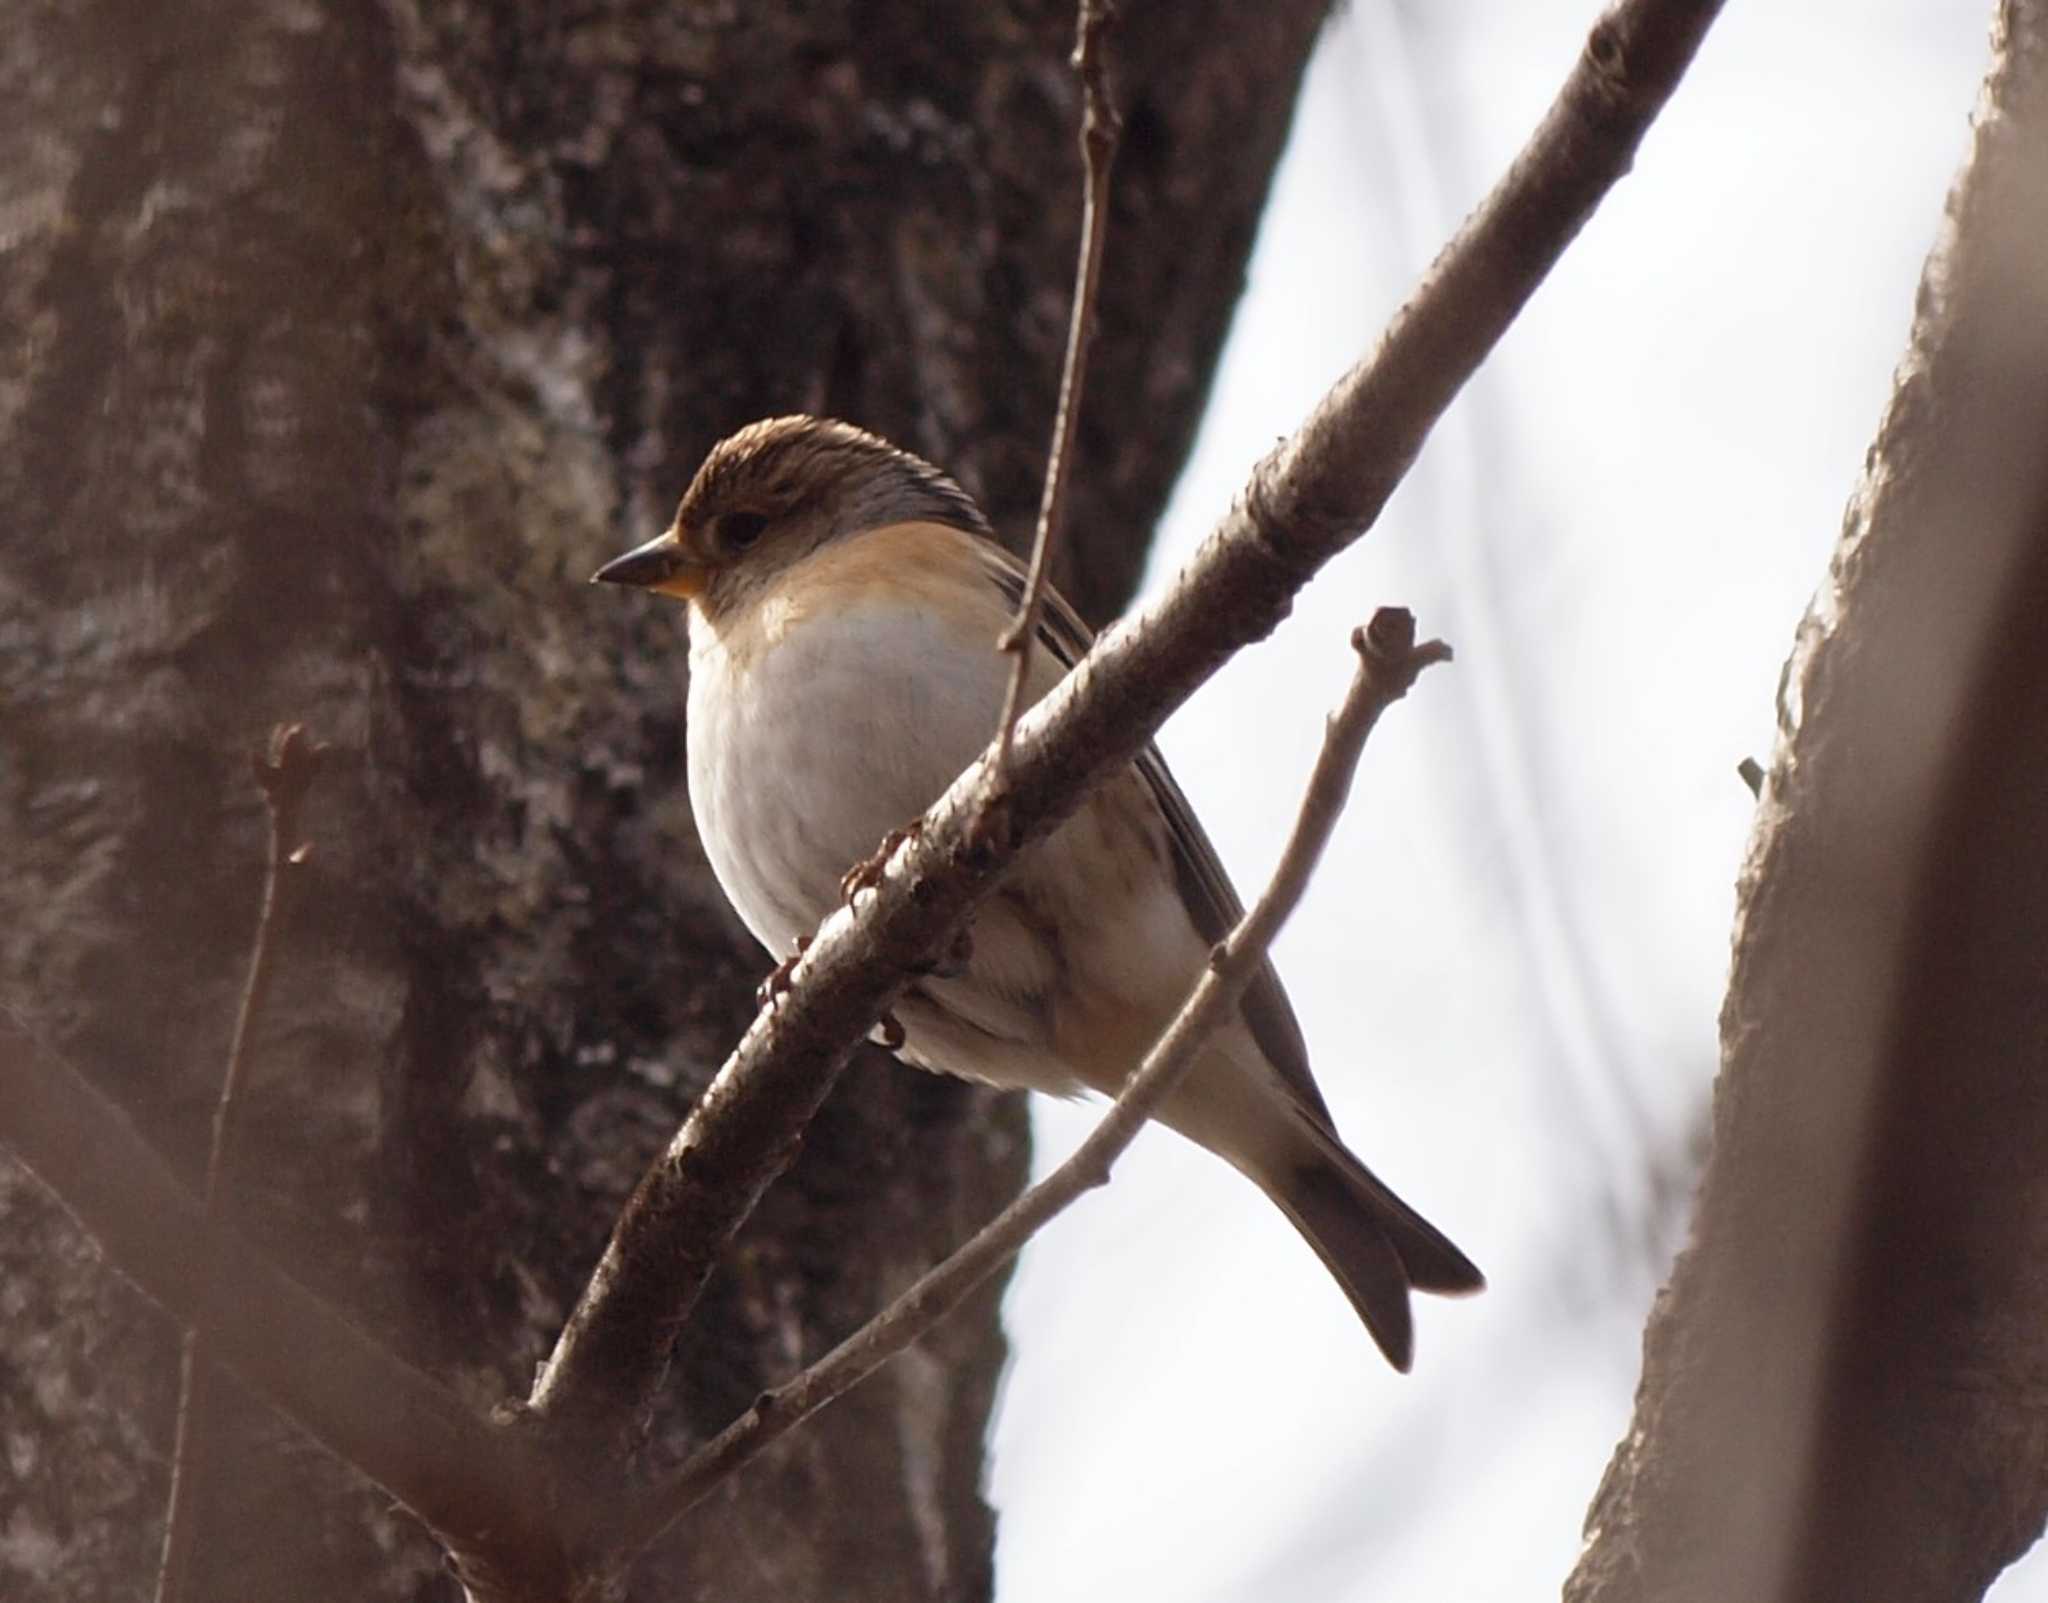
(845, 598)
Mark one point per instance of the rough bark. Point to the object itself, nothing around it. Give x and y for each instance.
(1843, 1384)
(339, 344)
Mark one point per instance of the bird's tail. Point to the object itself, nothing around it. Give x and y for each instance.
(1373, 1242)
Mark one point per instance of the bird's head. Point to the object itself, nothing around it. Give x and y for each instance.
(778, 490)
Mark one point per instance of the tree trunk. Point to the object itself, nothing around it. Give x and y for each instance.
(340, 344)
(1842, 1385)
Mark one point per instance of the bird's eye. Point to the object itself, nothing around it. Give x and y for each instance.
(738, 530)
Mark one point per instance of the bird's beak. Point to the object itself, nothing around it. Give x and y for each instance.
(661, 564)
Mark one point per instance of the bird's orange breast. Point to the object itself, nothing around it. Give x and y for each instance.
(928, 568)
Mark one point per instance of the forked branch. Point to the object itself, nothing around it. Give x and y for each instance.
(496, 1495)
(1310, 499)
(1388, 662)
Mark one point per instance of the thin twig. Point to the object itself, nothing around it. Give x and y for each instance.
(1101, 124)
(1388, 662)
(284, 773)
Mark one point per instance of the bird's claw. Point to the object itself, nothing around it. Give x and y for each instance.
(866, 874)
(776, 986)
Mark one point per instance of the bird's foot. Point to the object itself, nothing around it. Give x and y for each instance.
(776, 985)
(866, 874)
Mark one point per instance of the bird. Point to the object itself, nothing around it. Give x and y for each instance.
(845, 597)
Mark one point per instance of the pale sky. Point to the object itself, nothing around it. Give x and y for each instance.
(1509, 969)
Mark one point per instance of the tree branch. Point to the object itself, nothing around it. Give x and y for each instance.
(493, 1496)
(1389, 661)
(1842, 1393)
(1309, 500)
(1100, 127)
(475, 1486)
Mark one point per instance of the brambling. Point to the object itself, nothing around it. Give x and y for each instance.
(844, 601)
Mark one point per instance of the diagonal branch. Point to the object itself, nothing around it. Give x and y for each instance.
(466, 1480)
(1313, 497)
(1389, 661)
(492, 1494)
(1842, 1385)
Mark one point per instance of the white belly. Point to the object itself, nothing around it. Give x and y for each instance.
(811, 737)
(850, 726)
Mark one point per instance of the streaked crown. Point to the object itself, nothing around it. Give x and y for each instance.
(784, 466)
(778, 490)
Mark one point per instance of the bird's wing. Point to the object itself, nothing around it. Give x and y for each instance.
(1205, 889)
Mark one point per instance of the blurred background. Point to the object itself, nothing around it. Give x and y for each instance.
(1509, 968)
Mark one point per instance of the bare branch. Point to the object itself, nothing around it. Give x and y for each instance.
(472, 1484)
(1841, 1391)
(284, 773)
(1100, 127)
(1313, 497)
(494, 1498)
(1388, 662)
